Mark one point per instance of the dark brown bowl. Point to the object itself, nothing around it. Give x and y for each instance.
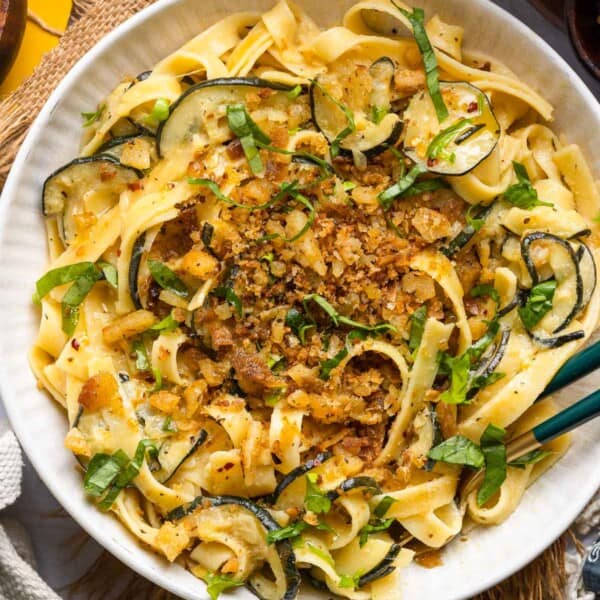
(583, 18)
(13, 17)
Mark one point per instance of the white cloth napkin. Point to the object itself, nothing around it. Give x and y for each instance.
(18, 578)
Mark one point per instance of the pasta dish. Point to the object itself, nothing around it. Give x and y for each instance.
(302, 283)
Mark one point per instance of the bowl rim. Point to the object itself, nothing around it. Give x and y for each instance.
(10, 401)
(581, 50)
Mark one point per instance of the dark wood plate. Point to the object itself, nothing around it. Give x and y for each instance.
(13, 16)
(583, 20)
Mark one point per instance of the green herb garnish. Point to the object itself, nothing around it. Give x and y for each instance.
(417, 327)
(417, 20)
(377, 113)
(285, 533)
(458, 450)
(298, 323)
(167, 279)
(437, 147)
(91, 117)
(294, 92)
(316, 500)
(349, 581)
(523, 194)
(384, 505)
(167, 324)
(248, 132)
(485, 289)
(109, 272)
(160, 111)
(539, 303)
(217, 583)
(400, 187)
(374, 526)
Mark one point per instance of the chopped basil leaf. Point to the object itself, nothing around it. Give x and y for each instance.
(216, 583)
(377, 113)
(350, 127)
(142, 362)
(539, 303)
(167, 324)
(485, 289)
(523, 194)
(158, 382)
(62, 275)
(294, 93)
(331, 363)
(458, 450)
(417, 20)
(267, 257)
(417, 326)
(107, 475)
(73, 298)
(315, 500)
(373, 527)
(168, 426)
(160, 111)
(276, 363)
(494, 451)
(427, 185)
(311, 216)
(275, 396)
(384, 504)
(349, 581)
(400, 187)
(110, 273)
(167, 279)
(285, 533)
(285, 189)
(297, 322)
(248, 132)
(437, 147)
(339, 319)
(348, 186)
(226, 293)
(320, 162)
(476, 223)
(322, 554)
(530, 458)
(91, 117)
(463, 381)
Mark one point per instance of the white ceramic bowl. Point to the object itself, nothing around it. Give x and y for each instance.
(491, 554)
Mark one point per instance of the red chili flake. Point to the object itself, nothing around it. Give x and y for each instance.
(235, 150)
(228, 466)
(107, 174)
(472, 107)
(135, 186)
(75, 344)
(487, 66)
(431, 162)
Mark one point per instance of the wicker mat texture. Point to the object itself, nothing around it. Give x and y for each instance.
(543, 579)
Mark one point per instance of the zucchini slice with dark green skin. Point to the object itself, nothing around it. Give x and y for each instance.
(384, 568)
(368, 483)
(573, 281)
(491, 360)
(518, 300)
(116, 147)
(557, 341)
(587, 268)
(200, 104)
(67, 194)
(382, 76)
(459, 144)
(284, 547)
(330, 120)
(134, 268)
(298, 472)
(174, 452)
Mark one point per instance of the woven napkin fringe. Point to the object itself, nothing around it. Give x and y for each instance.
(18, 579)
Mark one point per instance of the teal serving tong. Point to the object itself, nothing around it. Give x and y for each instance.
(566, 420)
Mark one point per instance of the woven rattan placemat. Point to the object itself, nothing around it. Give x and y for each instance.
(543, 579)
